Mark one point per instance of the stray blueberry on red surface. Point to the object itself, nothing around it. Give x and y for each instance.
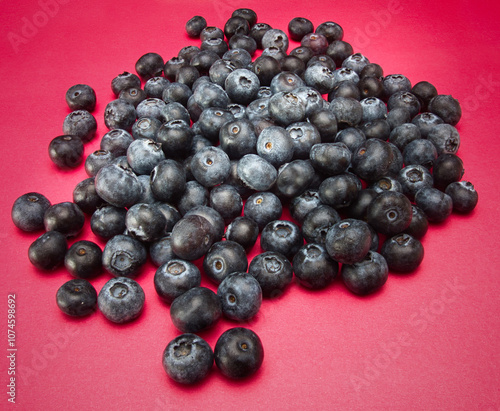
(65, 217)
(366, 276)
(28, 211)
(47, 251)
(121, 300)
(240, 295)
(188, 359)
(81, 97)
(84, 259)
(464, 196)
(402, 252)
(124, 256)
(66, 151)
(77, 298)
(313, 267)
(174, 278)
(238, 353)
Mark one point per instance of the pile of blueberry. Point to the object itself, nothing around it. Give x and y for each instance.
(206, 149)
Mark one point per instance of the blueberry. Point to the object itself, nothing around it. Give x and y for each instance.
(133, 95)
(302, 204)
(419, 223)
(404, 134)
(378, 128)
(236, 25)
(285, 82)
(149, 65)
(413, 178)
(393, 83)
(348, 111)
(176, 93)
(348, 88)
(352, 137)
(124, 81)
(258, 31)
(81, 97)
(348, 241)
(66, 151)
(97, 160)
(370, 86)
(294, 178)
(240, 55)
(118, 185)
(331, 30)
(238, 353)
(217, 46)
(358, 208)
(244, 231)
(240, 295)
(248, 14)
(398, 116)
(372, 70)
(28, 210)
(242, 85)
(77, 298)
(275, 38)
(124, 256)
(403, 253)
(447, 108)
(121, 300)
(317, 42)
(263, 207)
(389, 213)
(174, 278)
(116, 142)
(273, 271)
(211, 32)
(340, 190)
(196, 310)
(286, 108)
(266, 68)
(170, 213)
(120, 114)
(339, 50)
(282, 236)
(155, 85)
(256, 173)
(319, 77)
(356, 62)
(226, 200)
(373, 109)
(168, 180)
(426, 122)
(145, 222)
(237, 138)
(160, 251)
(421, 152)
(387, 183)
(447, 169)
(188, 359)
(436, 205)
(193, 196)
(304, 135)
(208, 94)
(366, 276)
(80, 123)
(317, 222)
(298, 27)
(313, 267)
(372, 160)
(147, 195)
(210, 166)
(65, 217)
(345, 74)
(445, 138)
(47, 251)
(84, 259)
(108, 221)
(213, 217)
(275, 145)
(463, 195)
(224, 258)
(312, 99)
(425, 92)
(191, 238)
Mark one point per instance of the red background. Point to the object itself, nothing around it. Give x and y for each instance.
(429, 340)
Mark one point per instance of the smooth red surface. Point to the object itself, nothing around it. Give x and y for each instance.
(429, 340)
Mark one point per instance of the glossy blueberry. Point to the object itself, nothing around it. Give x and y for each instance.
(66, 151)
(294, 178)
(118, 185)
(124, 81)
(425, 92)
(124, 256)
(266, 68)
(273, 271)
(373, 160)
(293, 64)
(404, 134)
(240, 295)
(426, 122)
(359, 206)
(168, 180)
(421, 152)
(191, 237)
(81, 97)
(210, 166)
(145, 222)
(304, 136)
(28, 210)
(390, 213)
(65, 217)
(463, 195)
(227, 201)
(77, 298)
(84, 259)
(302, 204)
(402, 252)
(188, 359)
(330, 158)
(211, 120)
(176, 93)
(220, 70)
(445, 138)
(413, 178)
(313, 267)
(317, 42)
(348, 111)
(393, 83)
(174, 278)
(155, 85)
(447, 108)
(331, 30)
(339, 50)
(298, 27)
(161, 252)
(97, 160)
(436, 205)
(147, 195)
(346, 88)
(238, 138)
(213, 217)
(80, 123)
(263, 207)
(236, 25)
(419, 223)
(195, 26)
(121, 300)
(370, 86)
(116, 142)
(352, 137)
(224, 258)
(348, 241)
(197, 309)
(172, 66)
(217, 46)
(119, 114)
(367, 275)
(282, 236)
(244, 231)
(108, 221)
(404, 99)
(175, 137)
(378, 128)
(211, 32)
(286, 108)
(47, 251)
(447, 169)
(340, 190)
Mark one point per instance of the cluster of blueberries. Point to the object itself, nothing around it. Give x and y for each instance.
(202, 159)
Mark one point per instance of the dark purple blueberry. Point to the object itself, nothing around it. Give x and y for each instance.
(294, 178)
(191, 237)
(155, 86)
(302, 204)
(80, 123)
(188, 359)
(84, 259)
(317, 223)
(85, 196)
(419, 223)
(425, 92)
(118, 185)
(77, 298)
(193, 196)
(447, 169)
(463, 195)
(313, 267)
(426, 122)
(240, 296)
(65, 217)
(413, 178)
(348, 241)
(445, 138)
(366, 276)
(116, 141)
(258, 31)
(174, 278)
(373, 160)
(244, 231)
(196, 310)
(121, 300)
(66, 151)
(421, 152)
(227, 201)
(28, 210)
(403, 253)
(145, 222)
(47, 251)
(404, 134)
(281, 236)
(238, 138)
(120, 114)
(348, 111)
(236, 25)
(210, 166)
(81, 97)
(195, 26)
(161, 252)
(256, 173)
(273, 271)
(124, 81)
(436, 205)
(339, 50)
(286, 108)
(168, 180)
(298, 27)
(224, 258)
(317, 42)
(390, 213)
(447, 108)
(340, 190)
(108, 221)
(124, 256)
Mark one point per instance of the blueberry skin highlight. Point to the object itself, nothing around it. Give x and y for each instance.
(367, 275)
(187, 359)
(28, 210)
(124, 256)
(174, 278)
(195, 310)
(77, 298)
(121, 300)
(240, 295)
(238, 353)
(47, 251)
